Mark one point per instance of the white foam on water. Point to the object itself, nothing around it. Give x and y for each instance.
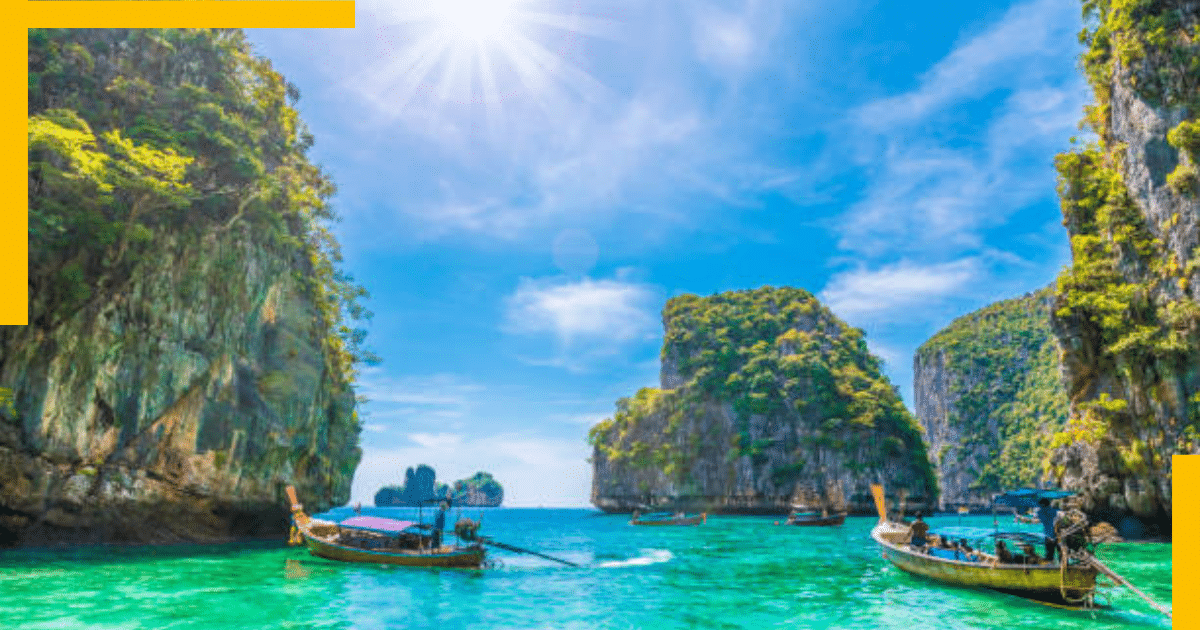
(648, 557)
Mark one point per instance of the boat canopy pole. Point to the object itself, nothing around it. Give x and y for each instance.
(877, 491)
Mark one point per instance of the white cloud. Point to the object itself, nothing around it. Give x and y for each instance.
(585, 419)
(583, 311)
(1008, 52)
(417, 400)
(891, 356)
(897, 288)
(437, 441)
(722, 38)
(929, 195)
(533, 470)
(425, 390)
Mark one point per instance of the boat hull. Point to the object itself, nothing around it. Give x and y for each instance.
(819, 521)
(1049, 583)
(691, 520)
(466, 557)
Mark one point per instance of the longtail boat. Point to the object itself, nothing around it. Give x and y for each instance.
(667, 518)
(1071, 584)
(378, 540)
(815, 519)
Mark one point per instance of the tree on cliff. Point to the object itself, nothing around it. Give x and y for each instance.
(134, 133)
(1128, 307)
(766, 396)
(989, 395)
(478, 489)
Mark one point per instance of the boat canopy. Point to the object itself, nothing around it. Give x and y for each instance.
(378, 524)
(653, 516)
(980, 533)
(1026, 498)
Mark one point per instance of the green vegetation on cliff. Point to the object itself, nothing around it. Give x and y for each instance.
(1006, 396)
(772, 354)
(1127, 291)
(139, 135)
(421, 487)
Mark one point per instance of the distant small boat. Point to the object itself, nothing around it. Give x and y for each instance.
(378, 540)
(667, 518)
(815, 519)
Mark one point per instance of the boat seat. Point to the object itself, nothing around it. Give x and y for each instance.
(952, 554)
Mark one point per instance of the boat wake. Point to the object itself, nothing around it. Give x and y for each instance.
(648, 557)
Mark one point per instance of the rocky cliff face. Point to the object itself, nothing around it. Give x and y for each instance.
(768, 401)
(181, 366)
(177, 409)
(1127, 315)
(987, 392)
(421, 488)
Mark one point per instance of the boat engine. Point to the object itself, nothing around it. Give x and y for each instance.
(1072, 531)
(466, 529)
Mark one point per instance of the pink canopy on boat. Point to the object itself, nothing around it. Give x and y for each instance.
(378, 524)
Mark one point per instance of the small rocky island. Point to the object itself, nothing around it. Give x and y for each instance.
(421, 487)
(767, 401)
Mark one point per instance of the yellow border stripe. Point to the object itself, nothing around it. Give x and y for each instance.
(1185, 548)
(233, 14)
(14, 214)
(14, 42)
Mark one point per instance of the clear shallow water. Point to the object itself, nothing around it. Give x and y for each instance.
(733, 572)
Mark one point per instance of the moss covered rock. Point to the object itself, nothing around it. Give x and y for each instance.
(767, 400)
(988, 393)
(1127, 312)
(186, 357)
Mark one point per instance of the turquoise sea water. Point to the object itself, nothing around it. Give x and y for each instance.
(733, 572)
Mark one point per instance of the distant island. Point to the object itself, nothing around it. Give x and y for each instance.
(421, 487)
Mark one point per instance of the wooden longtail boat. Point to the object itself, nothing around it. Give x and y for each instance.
(814, 519)
(1070, 585)
(668, 519)
(377, 540)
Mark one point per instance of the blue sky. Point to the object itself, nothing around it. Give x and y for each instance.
(521, 229)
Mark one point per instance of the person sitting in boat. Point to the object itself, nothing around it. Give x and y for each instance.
(919, 529)
(1003, 554)
(967, 552)
(1046, 513)
(1031, 554)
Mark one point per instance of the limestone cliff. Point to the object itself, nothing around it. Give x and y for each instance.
(767, 401)
(182, 364)
(420, 488)
(1127, 315)
(988, 393)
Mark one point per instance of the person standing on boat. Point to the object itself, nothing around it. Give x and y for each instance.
(439, 523)
(919, 529)
(1046, 513)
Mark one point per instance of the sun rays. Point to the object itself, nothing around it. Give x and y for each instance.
(481, 52)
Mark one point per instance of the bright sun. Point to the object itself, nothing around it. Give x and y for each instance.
(482, 51)
(480, 21)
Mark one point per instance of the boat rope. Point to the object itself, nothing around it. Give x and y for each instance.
(1077, 526)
